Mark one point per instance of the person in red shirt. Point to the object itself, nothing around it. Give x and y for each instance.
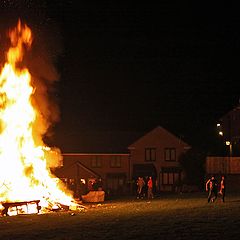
(150, 188)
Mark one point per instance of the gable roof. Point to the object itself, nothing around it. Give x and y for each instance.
(61, 171)
(235, 109)
(160, 132)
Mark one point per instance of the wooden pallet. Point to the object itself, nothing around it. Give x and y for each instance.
(16, 205)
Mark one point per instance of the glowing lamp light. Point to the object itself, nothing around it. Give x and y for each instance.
(227, 143)
(220, 133)
(218, 125)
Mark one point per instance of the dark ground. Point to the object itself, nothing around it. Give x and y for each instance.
(185, 216)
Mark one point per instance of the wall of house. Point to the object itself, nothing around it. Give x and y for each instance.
(113, 169)
(230, 125)
(160, 139)
(137, 154)
(100, 163)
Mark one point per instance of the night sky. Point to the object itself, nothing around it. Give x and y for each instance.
(124, 69)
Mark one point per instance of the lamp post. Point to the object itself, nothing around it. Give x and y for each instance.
(228, 143)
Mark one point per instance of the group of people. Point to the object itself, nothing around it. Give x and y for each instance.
(144, 188)
(95, 184)
(213, 189)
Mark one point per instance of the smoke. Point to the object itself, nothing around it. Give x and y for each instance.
(42, 58)
(41, 61)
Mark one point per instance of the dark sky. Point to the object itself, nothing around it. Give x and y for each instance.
(128, 67)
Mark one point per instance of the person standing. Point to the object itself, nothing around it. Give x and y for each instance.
(222, 188)
(150, 188)
(140, 185)
(212, 189)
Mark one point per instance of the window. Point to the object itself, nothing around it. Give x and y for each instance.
(115, 162)
(96, 162)
(170, 154)
(168, 178)
(150, 154)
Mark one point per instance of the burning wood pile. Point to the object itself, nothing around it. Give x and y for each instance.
(25, 174)
(15, 208)
(33, 207)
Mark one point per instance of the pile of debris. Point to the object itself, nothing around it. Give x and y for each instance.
(33, 207)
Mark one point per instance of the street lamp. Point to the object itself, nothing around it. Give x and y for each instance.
(220, 133)
(219, 127)
(228, 143)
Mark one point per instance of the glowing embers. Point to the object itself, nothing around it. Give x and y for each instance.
(15, 208)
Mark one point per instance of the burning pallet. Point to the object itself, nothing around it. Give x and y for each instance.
(15, 208)
(33, 207)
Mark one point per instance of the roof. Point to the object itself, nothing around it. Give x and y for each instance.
(160, 131)
(97, 142)
(62, 170)
(234, 109)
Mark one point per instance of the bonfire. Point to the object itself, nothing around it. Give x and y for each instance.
(25, 176)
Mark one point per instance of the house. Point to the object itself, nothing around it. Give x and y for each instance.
(157, 154)
(228, 128)
(229, 164)
(80, 171)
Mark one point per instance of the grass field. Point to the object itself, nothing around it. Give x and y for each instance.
(185, 216)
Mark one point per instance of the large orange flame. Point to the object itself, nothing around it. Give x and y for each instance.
(24, 173)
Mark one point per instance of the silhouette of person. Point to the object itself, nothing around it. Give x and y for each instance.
(211, 188)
